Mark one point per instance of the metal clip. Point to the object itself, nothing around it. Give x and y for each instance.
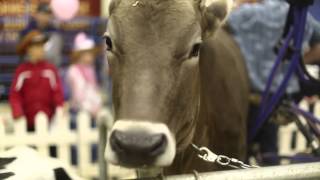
(205, 154)
(208, 155)
(223, 160)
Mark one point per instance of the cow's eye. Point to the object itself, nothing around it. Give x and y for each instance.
(108, 43)
(195, 50)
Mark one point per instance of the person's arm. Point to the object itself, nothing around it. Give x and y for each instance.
(57, 91)
(313, 55)
(15, 98)
(315, 38)
(75, 81)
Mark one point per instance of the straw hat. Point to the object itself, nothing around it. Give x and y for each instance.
(32, 37)
(82, 43)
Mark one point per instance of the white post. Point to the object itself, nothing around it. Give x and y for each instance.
(83, 122)
(301, 140)
(2, 135)
(20, 128)
(62, 131)
(41, 128)
(59, 135)
(317, 109)
(286, 135)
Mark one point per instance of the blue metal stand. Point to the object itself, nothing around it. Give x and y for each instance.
(293, 33)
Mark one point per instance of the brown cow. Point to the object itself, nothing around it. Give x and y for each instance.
(165, 94)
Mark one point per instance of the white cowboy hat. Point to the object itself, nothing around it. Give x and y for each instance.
(82, 43)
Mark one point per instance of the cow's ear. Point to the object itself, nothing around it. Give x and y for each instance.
(213, 14)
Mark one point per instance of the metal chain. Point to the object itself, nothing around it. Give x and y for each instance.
(205, 154)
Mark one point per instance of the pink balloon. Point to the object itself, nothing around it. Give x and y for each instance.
(65, 9)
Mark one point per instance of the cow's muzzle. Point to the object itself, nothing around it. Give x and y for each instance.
(140, 144)
(137, 148)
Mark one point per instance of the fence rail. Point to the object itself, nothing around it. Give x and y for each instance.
(286, 172)
(310, 171)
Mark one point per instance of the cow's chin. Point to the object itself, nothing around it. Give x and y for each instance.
(140, 144)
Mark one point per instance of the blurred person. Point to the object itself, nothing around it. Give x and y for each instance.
(84, 89)
(81, 76)
(257, 26)
(36, 85)
(313, 55)
(42, 22)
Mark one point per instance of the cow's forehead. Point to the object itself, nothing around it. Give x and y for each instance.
(152, 6)
(164, 19)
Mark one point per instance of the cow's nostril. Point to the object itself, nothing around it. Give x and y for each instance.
(158, 145)
(138, 143)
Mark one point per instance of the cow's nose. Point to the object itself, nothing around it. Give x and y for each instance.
(138, 143)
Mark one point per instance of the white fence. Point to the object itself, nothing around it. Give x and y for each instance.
(291, 140)
(61, 137)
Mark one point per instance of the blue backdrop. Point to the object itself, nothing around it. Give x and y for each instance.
(315, 9)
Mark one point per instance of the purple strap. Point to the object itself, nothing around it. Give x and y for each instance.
(267, 106)
(311, 119)
(279, 59)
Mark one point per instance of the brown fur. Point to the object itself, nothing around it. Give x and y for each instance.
(202, 100)
(222, 121)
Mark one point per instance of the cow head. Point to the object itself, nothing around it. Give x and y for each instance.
(153, 53)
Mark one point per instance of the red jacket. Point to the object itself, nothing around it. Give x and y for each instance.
(36, 87)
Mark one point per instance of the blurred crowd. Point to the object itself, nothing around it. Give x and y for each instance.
(257, 27)
(41, 84)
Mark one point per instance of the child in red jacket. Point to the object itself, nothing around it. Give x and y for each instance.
(36, 86)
